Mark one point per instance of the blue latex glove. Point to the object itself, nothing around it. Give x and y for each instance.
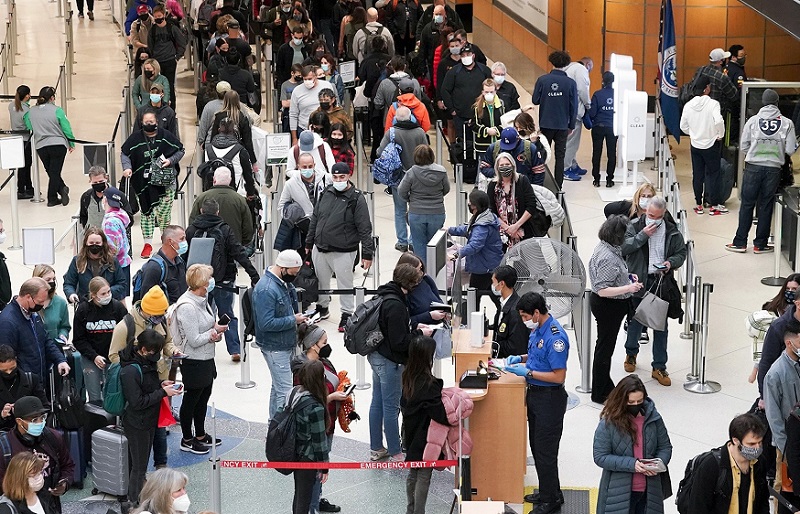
(513, 359)
(518, 369)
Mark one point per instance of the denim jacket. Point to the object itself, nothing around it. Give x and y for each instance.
(274, 307)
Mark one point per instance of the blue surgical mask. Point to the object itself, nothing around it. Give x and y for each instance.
(651, 221)
(210, 286)
(438, 19)
(307, 173)
(35, 429)
(340, 186)
(325, 67)
(183, 247)
(155, 98)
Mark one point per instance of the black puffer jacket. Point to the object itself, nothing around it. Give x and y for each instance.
(142, 391)
(395, 323)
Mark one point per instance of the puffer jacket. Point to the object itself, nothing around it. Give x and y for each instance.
(484, 249)
(613, 451)
(445, 438)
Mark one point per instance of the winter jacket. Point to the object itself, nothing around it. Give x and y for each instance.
(212, 225)
(490, 118)
(557, 97)
(139, 31)
(441, 66)
(115, 226)
(340, 222)
(548, 201)
(395, 323)
(283, 60)
(484, 250)
(295, 191)
(166, 43)
(232, 208)
(636, 248)
(91, 210)
(430, 38)
(424, 188)
(369, 72)
(94, 327)
(275, 304)
(408, 135)
(215, 63)
(360, 39)
(24, 383)
(36, 351)
(507, 92)
(613, 452)
(119, 340)
(781, 393)
(705, 498)
(419, 411)
(701, 119)
(337, 114)
(773, 344)
(403, 16)
(56, 318)
(418, 110)
(141, 96)
(165, 116)
(420, 299)
(461, 86)
(449, 438)
(321, 147)
(192, 326)
(525, 200)
(137, 153)
(174, 279)
(768, 147)
(736, 73)
(602, 110)
(78, 283)
(240, 80)
(142, 389)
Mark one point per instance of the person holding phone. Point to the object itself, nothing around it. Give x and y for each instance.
(196, 332)
(631, 445)
(653, 249)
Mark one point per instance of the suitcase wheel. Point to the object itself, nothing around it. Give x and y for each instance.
(95, 491)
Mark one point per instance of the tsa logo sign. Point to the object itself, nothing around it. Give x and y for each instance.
(669, 82)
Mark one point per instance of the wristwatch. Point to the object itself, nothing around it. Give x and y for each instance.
(529, 374)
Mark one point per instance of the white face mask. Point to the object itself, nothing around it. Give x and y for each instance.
(467, 60)
(499, 79)
(309, 83)
(489, 97)
(643, 203)
(496, 292)
(36, 483)
(104, 300)
(307, 173)
(531, 324)
(651, 221)
(2, 237)
(297, 42)
(181, 503)
(340, 186)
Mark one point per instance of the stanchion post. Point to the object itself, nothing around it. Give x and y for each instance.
(702, 385)
(697, 330)
(439, 155)
(376, 262)
(37, 189)
(360, 178)
(68, 71)
(361, 381)
(215, 472)
(60, 8)
(10, 49)
(461, 216)
(62, 90)
(16, 230)
(689, 292)
(586, 344)
(244, 365)
(269, 242)
(472, 305)
(182, 206)
(776, 279)
(4, 52)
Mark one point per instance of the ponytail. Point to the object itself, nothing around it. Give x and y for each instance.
(22, 92)
(45, 94)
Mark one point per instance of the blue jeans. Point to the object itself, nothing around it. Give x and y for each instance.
(316, 492)
(759, 184)
(385, 407)
(93, 378)
(278, 363)
(223, 301)
(423, 227)
(400, 218)
(160, 447)
(659, 340)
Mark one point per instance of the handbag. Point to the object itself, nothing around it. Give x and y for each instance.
(652, 310)
(165, 417)
(444, 341)
(158, 176)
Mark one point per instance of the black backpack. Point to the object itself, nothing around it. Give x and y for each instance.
(362, 331)
(206, 170)
(219, 259)
(69, 407)
(685, 486)
(281, 444)
(248, 319)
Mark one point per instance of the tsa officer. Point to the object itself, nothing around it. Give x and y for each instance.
(510, 334)
(544, 369)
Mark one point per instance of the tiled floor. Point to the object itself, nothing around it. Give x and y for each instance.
(695, 422)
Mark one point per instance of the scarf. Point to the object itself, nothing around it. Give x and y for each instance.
(737, 481)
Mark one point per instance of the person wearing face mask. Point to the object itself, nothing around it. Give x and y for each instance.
(341, 148)
(30, 436)
(506, 90)
(24, 331)
(461, 86)
(22, 483)
(305, 100)
(94, 325)
(196, 332)
(55, 313)
(312, 143)
(164, 493)
(218, 61)
(314, 345)
(287, 87)
(140, 27)
(653, 249)
(732, 478)
(486, 113)
(116, 227)
(92, 211)
(151, 74)
(15, 384)
(16, 113)
(95, 259)
(165, 116)
(332, 75)
(601, 113)
(510, 335)
(635, 207)
(276, 316)
(168, 268)
(544, 367)
(427, 17)
(293, 52)
(330, 105)
(168, 44)
(430, 35)
(302, 191)
(143, 390)
(275, 25)
(630, 430)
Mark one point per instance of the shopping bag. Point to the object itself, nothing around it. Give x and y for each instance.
(165, 417)
(652, 310)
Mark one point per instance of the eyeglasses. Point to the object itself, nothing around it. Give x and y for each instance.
(40, 419)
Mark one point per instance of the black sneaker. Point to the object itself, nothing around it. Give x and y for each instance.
(64, 195)
(206, 440)
(324, 313)
(388, 191)
(343, 321)
(193, 446)
(400, 247)
(326, 506)
(537, 498)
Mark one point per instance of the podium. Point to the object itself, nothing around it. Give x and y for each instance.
(498, 427)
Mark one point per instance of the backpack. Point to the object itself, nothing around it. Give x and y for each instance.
(362, 333)
(248, 319)
(370, 37)
(527, 151)
(113, 398)
(685, 486)
(320, 151)
(281, 444)
(137, 278)
(388, 167)
(206, 170)
(204, 13)
(69, 406)
(219, 259)
(4, 500)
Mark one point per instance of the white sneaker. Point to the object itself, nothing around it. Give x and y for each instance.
(375, 455)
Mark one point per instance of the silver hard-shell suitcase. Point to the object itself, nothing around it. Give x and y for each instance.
(110, 461)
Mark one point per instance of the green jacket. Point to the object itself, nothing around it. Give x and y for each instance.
(56, 318)
(141, 97)
(636, 248)
(233, 209)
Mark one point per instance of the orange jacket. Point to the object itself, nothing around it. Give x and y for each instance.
(417, 109)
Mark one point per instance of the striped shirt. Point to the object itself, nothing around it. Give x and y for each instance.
(656, 247)
(607, 268)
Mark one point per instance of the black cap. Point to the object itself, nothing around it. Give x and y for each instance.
(29, 407)
(467, 48)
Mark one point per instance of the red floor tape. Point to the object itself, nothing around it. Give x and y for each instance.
(255, 464)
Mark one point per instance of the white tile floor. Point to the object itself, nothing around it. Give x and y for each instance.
(695, 422)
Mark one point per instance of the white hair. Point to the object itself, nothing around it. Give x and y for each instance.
(499, 65)
(222, 175)
(402, 113)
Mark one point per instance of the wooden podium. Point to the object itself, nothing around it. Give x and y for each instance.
(498, 427)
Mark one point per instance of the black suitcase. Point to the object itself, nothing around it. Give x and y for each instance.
(96, 418)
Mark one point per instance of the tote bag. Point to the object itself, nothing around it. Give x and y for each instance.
(652, 311)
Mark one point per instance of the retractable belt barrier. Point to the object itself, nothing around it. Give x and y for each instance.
(416, 464)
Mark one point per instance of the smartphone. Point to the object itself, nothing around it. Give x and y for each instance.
(660, 266)
(630, 277)
(177, 386)
(178, 356)
(224, 319)
(349, 389)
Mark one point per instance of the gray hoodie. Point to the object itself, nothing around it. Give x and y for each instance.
(767, 138)
(781, 393)
(424, 188)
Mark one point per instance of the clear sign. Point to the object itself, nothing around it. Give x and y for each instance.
(278, 146)
(348, 72)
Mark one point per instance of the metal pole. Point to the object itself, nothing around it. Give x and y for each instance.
(361, 382)
(60, 8)
(776, 279)
(560, 198)
(37, 190)
(69, 72)
(472, 306)
(360, 178)
(439, 142)
(586, 344)
(10, 48)
(697, 330)
(461, 215)
(376, 259)
(16, 230)
(269, 242)
(62, 90)
(4, 51)
(245, 382)
(689, 292)
(215, 472)
(182, 207)
(703, 386)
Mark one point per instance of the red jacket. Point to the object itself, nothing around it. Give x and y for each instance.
(417, 109)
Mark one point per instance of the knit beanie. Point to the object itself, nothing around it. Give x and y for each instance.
(770, 97)
(154, 302)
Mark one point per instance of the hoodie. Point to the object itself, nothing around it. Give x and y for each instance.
(418, 110)
(387, 90)
(424, 188)
(115, 222)
(321, 165)
(484, 250)
(409, 136)
(768, 147)
(211, 225)
(394, 322)
(702, 120)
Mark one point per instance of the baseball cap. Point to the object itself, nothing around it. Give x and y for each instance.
(467, 48)
(28, 407)
(233, 24)
(508, 139)
(718, 54)
(340, 168)
(289, 259)
(113, 196)
(223, 86)
(157, 86)
(306, 141)
(142, 9)
(406, 85)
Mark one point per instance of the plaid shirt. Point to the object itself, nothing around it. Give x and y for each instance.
(722, 89)
(607, 268)
(346, 155)
(312, 439)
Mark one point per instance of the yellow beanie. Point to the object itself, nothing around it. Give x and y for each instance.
(154, 302)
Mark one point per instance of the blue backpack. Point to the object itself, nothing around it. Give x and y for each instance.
(137, 278)
(388, 168)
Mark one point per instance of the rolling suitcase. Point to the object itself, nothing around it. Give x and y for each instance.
(110, 461)
(96, 418)
(77, 450)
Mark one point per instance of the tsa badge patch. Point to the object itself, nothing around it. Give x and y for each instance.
(502, 328)
(559, 346)
(669, 82)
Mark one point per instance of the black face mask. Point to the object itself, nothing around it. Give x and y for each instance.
(337, 141)
(152, 357)
(319, 53)
(324, 105)
(149, 74)
(288, 278)
(36, 307)
(635, 410)
(150, 127)
(325, 351)
(52, 286)
(142, 17)
(94, 249)
(99, 187)
(11, 375)
(159, 21)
